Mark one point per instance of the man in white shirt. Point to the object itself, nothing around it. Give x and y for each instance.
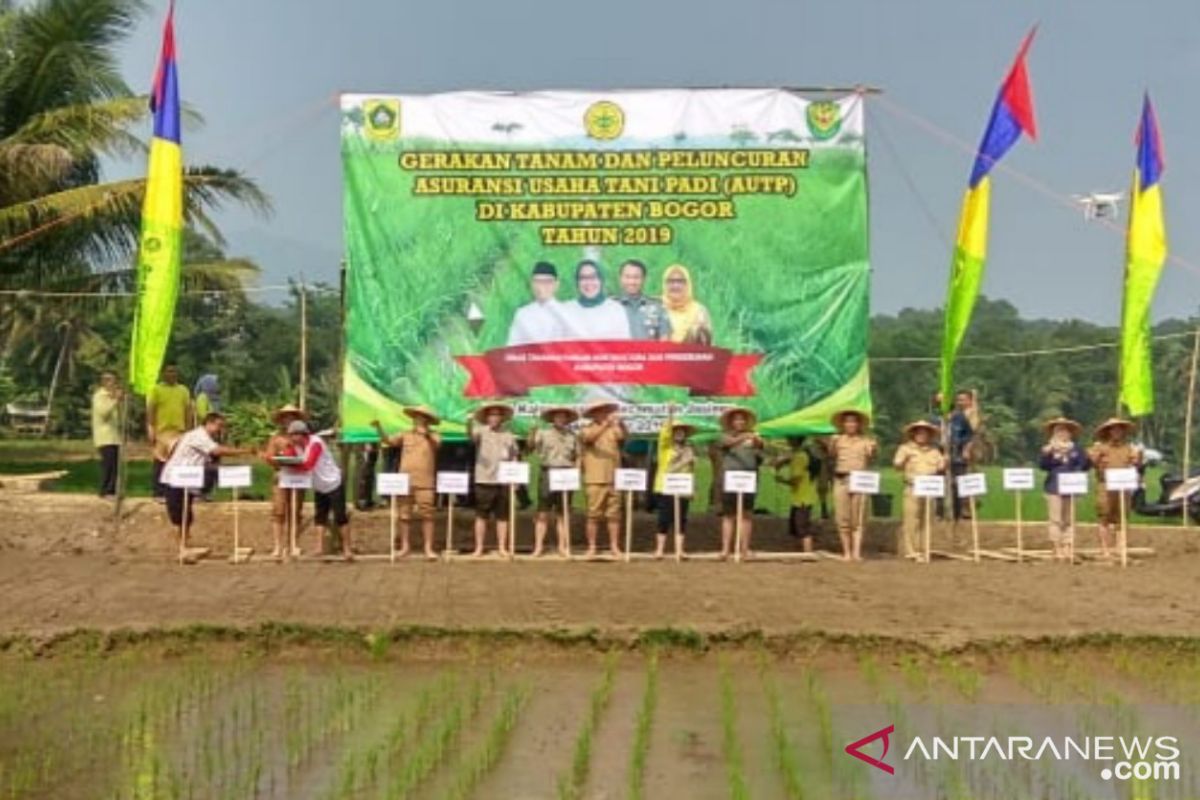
(543, 319)
(196, 448)
(329, 491)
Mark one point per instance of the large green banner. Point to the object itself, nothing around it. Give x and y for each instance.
(701, 248)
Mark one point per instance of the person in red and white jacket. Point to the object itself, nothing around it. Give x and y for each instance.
(329, 490)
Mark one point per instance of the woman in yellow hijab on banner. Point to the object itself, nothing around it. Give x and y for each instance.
(690, 322)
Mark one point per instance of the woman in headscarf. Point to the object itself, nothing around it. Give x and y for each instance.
(690, 322)
(593, 315)
(207, 396)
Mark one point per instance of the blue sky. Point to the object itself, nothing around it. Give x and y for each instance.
(265, 74)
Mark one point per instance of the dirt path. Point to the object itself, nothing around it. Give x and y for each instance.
(64, 565)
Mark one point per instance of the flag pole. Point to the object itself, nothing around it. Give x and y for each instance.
(1187, 425)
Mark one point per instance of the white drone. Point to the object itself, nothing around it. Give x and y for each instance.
(1099, 205)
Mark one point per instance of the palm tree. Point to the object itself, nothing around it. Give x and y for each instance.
(64, 105)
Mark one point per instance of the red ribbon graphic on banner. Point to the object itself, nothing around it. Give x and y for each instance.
(513, 371)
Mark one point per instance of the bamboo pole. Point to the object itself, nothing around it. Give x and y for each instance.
(290, 496)
(928, 529)
(123, 459)
(1124, 532)
(512, 521)
(392, 526)
(303, 344)
(564, 535)
(1187, 425)
(678, 530)
(1020, 531)
(237, 528)
(628, 526)
(183, 529)
(974, 527)
(1071, 543)
(737, 527)
(449, 527)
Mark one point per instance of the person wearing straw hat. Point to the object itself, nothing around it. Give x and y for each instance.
(600, 442)
(851, 449)
(675, 455)
(1061, 454)
(556, 447)
(1111, 450)
(280, 445)
(741, 451)
(493, 444)
(917, 456)
(418, 450)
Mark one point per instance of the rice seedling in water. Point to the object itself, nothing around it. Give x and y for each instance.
(730, 745)
(437, 743)
(784, 748)
(475, 768)
(642, 729)
(570, 785)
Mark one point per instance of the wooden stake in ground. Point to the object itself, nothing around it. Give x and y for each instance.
(678, 530)
(861, 531)
(737, 530)
(237, 538)
(1124, 532)
(392, 526)
(974, 527)
(1071, 542)
(565, 542)
(290, 496)
(183, 530)
(1020, 540)
(1187, 425)
(928, 528)
(512, 521)
(628, 526)
(449, 527)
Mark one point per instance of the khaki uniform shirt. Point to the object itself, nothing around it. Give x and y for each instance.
(851, 452)
(601, 453)
(492, 447)
(106, 419)
(917, 460)
(556, 448)
(418, 458)
(1105, 455)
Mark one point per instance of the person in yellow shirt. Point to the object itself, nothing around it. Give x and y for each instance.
(798, 470)
(675, 455)
(106, 431)
(917, 456)
(168, 416)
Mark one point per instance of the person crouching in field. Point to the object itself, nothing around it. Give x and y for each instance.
(418, 451)
(917, 456)
(1111, 450)
(799, 470)
(601, 442)
(741, 451)
(556, 447)
(196, 448)
(675, 455)
(851, 450)
(329, 490)
(1061, 454)
(493, 444)
(280, 445)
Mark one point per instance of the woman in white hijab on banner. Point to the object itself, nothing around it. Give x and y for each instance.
(593, 315)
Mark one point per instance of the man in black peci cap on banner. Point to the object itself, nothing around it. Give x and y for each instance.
(542, 320)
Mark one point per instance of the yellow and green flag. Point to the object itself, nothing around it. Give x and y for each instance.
(1146, 252)
(161, 244)
(1012, 115)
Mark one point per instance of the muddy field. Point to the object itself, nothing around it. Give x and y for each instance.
(502, 722)
(65, 564)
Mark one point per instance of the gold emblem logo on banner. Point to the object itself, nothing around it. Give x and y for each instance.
(604, 120)
(381, 119)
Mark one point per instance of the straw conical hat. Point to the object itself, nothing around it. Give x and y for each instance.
(863, 417)
(1050, 425)
(288, 410)
(925, 424)
(548, 414)
(1114, 422)
(481, 413)
(596, 406)
(727, 416)
(412, 412)
(684, 426)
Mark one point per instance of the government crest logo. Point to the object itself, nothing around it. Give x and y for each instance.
(604, 120)
(381, 119)
(824, 119)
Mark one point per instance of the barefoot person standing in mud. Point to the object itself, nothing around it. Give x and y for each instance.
(1061, 454)
(741, 451)
(1111, 450)
(556, 447)
(280, 445)
(917, 456)
(493, 443)
(601, 440)
(418, 459)
(851, 449)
